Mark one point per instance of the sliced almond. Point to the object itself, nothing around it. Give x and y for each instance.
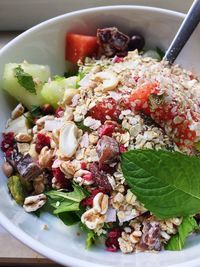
(108, 79)
(68, 142)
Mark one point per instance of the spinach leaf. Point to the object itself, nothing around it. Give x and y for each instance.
(81, 126)
(25, 80)
(187, 226)
(167, 183)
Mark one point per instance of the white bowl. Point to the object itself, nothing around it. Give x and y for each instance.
(44, 44)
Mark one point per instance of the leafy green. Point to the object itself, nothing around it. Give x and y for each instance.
(167, 183)
(67, 204)
(91, 236)
(187, 226)
(81, 126)
(25, 80)
(155, 101)
(160, 52)
(197, 146)
(36, 111)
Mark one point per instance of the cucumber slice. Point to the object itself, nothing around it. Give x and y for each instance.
(10, 83)
(153, 54)
(53, 91)
(19, 125)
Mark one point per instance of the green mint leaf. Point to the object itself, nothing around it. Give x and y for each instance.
(58, 78)
(155, 101)
(66, 201)
(25, 80)
(177, 241)
(167, 183)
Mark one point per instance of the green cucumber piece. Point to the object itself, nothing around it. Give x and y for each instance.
(10, 83)
(53, 92)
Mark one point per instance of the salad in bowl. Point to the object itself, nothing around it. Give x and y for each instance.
(112, 145)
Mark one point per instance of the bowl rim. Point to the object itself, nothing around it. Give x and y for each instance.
(9, 225)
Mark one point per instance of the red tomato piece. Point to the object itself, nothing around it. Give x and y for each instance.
(79, 46)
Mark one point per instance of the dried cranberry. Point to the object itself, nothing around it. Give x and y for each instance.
(107, 129)
(42, 141)
(111, 242)
(107, 150)
(87, 177)
(8, 141)
(60, 178)
(59, 112)
(100, 178)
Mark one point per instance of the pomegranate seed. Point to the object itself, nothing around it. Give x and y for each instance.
(87, 177)
(122, 149)
(107, 130)
(83, 165)
(136, 78)
(111, 242)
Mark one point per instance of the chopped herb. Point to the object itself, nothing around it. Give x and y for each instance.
(36, 111)
(25, 80)
(81, 126)
(58, 78)
(155, 101)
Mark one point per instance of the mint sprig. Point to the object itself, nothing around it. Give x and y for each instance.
(167, 183)
(25, 79)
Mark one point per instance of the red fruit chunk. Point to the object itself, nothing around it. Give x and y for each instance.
(107, 129)
(83, 165)
(87, 177)
(122, 149)
(139, 98)
(42, 141)
(79, 46)
(105, 110)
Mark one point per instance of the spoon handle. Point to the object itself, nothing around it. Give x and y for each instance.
(189, 24)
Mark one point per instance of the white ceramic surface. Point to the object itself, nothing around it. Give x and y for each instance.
(44, 44)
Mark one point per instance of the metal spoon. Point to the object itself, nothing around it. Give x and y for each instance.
(189, 24)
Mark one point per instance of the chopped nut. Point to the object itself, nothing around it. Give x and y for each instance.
(108, 79)
(32, 152)
(130, 197)
(68, 139)
(67, 168)
(126, 247)
(100, 203)
(69, 94)
(46, 157)
(92, 219)
(24, 138)
(38, 184)
(34, 203)
(23, 147)
(17, 111)
(7, 169)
